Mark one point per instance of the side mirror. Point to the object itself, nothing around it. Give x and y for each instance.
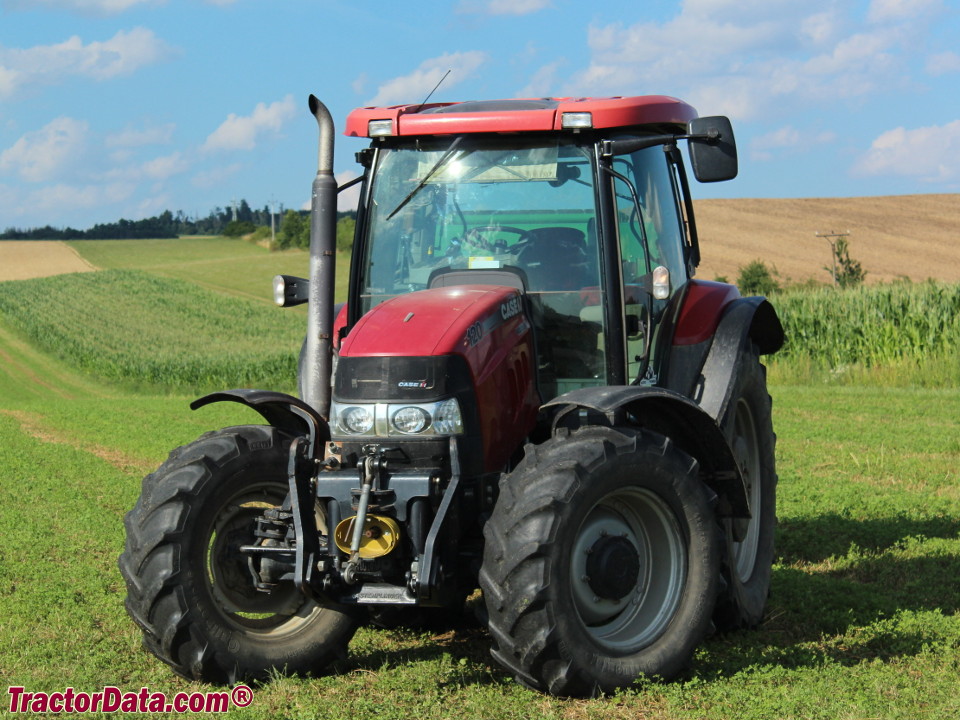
(713, 149)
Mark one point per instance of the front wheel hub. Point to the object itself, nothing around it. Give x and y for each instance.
(613, 567)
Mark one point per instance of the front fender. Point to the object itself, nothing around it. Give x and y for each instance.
(285, 412)
(674, 416)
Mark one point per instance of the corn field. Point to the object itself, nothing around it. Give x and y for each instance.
(871, 326)
(135, 327)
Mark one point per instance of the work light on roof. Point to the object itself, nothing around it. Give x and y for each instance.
(576, 120)
(379, 128)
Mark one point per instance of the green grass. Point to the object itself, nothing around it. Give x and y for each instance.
(225, 265)
(863, 621)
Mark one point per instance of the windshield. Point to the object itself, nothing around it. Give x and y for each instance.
(527, 208)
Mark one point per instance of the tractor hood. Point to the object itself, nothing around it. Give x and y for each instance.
(442, 321)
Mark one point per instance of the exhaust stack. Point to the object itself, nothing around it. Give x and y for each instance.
(318, 365)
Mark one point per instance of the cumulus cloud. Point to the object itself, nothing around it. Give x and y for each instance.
(750, 57)
(241, 132)
(43, 154)
(786, 139)
(153, 135)
(503, 7)
(897, 10)
(938, 64)
(930, 153)
(417, 85)
(163, 167)
(85, 7)
(123, 54)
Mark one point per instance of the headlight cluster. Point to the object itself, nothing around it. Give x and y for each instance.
(381, 419)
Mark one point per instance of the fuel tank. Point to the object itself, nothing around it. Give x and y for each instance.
(488, 327)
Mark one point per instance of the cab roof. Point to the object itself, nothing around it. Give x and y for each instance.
(511, 116)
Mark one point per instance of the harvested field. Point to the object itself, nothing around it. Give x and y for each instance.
(912, 236)
(21, 260)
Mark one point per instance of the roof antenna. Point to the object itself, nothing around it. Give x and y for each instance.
(430, 95)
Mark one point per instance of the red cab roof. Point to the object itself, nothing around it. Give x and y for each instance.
(532, 115)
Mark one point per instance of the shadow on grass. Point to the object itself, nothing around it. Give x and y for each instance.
(853, 600)
(814, 540)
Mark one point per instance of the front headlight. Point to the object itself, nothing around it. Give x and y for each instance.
(356, 420)
(442, 418)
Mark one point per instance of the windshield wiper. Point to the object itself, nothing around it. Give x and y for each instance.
(426, 178)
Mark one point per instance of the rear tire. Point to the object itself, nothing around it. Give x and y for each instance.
(746, 568)
(600, 562)
(189, 589)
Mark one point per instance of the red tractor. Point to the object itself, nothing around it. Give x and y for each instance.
(526, 391)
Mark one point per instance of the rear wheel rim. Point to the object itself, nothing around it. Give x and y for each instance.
(626, 621)
(746, 448)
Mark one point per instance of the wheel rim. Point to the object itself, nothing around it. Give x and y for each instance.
(640, 537)
(746, 449)
(229, 580)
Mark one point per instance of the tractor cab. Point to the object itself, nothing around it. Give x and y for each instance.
(554, 197)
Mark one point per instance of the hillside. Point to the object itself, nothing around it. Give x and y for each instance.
(917, 236)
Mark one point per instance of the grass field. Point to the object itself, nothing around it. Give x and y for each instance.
(863, 616)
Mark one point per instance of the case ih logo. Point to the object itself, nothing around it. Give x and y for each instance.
(412, 384)
(510, 308)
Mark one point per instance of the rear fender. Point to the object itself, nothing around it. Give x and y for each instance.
(282, 411)
(670, 414)
(705, 370)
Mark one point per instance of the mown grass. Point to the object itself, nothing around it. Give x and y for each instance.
(225, 265)
(862, 619)
(863, 616)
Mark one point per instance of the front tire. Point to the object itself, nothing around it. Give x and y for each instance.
(189, 589)
(600, 562)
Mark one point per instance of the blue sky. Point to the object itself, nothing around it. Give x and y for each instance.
(126, 108)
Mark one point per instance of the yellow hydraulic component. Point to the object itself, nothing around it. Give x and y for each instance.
(380, 536)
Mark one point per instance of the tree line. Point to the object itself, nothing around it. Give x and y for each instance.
(165, 225)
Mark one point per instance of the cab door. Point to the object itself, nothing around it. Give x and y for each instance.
(651, 242)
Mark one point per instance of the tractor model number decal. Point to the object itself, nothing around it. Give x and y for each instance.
(474, 333)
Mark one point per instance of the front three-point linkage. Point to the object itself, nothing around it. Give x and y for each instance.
(370, 466)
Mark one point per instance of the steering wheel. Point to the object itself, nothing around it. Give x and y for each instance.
(478, 232)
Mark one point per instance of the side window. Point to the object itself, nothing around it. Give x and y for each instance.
(651, 236)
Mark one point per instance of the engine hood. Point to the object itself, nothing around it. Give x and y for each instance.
(440, 321)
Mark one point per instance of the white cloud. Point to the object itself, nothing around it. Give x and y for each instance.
(56, 202)
(930, 153)
(43, 154)
(503, 7)
(216, 176)
(163, 167)
(747, 58)
(787, 138)
(152, 135)
(543, 83)
(417, 85)
(241, 132)
(123, 54)
(348, 199)
(898, 10)
(943, 63)
(86, 7)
